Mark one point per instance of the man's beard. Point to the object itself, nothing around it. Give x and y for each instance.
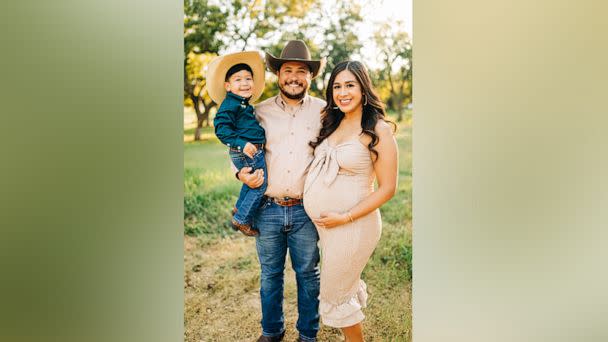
(297, 96)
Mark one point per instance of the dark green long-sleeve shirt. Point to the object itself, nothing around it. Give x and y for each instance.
(235, 123)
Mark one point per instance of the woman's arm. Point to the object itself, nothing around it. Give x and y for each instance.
(386, 168)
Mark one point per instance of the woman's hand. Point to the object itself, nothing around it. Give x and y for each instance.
(331, 219)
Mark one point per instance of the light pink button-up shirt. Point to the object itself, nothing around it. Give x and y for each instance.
(288, 132)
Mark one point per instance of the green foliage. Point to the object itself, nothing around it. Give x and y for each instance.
(209, 189)
(194, 71)
(251, 21)
(335, 25)
(395, 78)
(202, 23)
(208, 213)
(340, 42)
(392, 257)
(328, 28)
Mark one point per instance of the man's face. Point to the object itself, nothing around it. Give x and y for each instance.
(294, 79)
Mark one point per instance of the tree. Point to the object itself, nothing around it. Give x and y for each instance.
(234, 25)
(268, 27)
(339, 42)
(202, 23)
(328, 31)
(213, 29)
(197, 86)
(396, 53)
(255, 22)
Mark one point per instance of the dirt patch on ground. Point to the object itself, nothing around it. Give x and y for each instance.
(222, 300)
(221, 289)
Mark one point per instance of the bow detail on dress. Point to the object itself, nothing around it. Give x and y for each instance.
(324, 165)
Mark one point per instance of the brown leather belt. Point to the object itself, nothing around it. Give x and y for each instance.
(286, 201)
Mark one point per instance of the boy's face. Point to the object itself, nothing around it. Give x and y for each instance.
(240, 83)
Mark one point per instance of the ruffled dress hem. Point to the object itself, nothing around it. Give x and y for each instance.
(347, 313)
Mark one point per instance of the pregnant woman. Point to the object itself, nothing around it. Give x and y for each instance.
(355, 147)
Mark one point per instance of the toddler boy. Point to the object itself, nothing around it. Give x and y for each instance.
(242, 75)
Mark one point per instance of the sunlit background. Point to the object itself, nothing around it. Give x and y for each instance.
(377, 33)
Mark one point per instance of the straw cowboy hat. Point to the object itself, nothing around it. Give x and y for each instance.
(217, 68)
(295, 51)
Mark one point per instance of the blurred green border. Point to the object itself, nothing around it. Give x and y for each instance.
(91, 210)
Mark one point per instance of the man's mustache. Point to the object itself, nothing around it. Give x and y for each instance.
(294, 82)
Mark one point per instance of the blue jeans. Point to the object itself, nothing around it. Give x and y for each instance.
(249, 199)
(281, 229)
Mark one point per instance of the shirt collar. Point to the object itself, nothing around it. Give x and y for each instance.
(236, 97)
(281, 102)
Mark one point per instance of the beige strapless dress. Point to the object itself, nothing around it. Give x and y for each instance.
(340, 177)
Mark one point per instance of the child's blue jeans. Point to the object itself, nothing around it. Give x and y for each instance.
(249, 199)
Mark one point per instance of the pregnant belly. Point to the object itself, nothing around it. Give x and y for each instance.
(343, 194)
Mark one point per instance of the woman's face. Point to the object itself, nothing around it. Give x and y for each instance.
(347, 93)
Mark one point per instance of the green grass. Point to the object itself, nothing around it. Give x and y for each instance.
(209, 193)
(209, 190)
(205, 130)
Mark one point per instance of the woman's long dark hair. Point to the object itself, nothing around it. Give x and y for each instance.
(373, 108)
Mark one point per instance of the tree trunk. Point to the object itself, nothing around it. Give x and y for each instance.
(199, 116)
(197, 132)
(400, 108)
(206, 116)
(393, 91)
(208, 107)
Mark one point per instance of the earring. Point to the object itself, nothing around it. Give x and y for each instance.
(364, 100)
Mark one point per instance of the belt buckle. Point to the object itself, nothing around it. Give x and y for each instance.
(282, 201)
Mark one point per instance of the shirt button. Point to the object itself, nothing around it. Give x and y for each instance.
(293, 115)
(288, 171)
(291, 133)
(290, 152)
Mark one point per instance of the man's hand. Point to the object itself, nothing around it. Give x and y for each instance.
(253, 180)
(249, 149)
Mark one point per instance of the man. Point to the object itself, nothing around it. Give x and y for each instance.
(291, 120)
